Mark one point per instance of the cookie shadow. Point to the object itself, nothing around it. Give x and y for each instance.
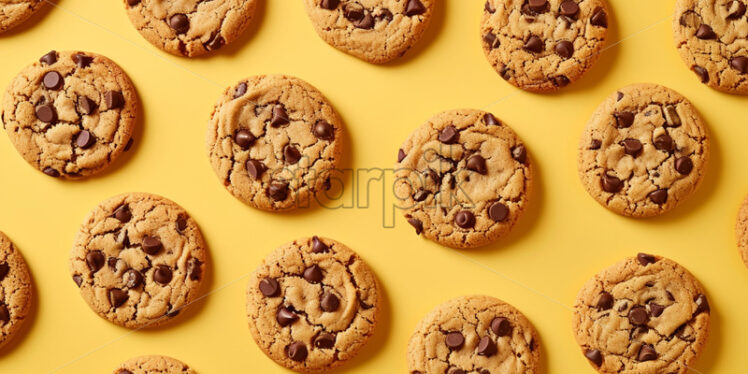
(713, 346)
(233, 48)
(28, 322)
(32, 21)
(432, 32)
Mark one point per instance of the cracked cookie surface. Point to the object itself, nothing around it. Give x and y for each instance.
(645, 314)
(312, 304)
(15, 12)
(644, 151)
(474, 334)
(190, 27)
(70, 114)
(138, 259)
(710, 36)
(463, 178)
(543, 45)
(15, 290)
(274, 140)
(153, 365)
(741, 231)
(376, 31)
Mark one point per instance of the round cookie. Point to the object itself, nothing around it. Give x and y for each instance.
(644, 151)
(70, 114)
(645, 314)
(463, 178)
(273, 141)
(312, 304)
(15, 12)
(376, 31)
(193, 27)
(543, 45)
(138, 259)
(710, 37)
(474, 334)
(741, 231)
(153, 365)
(15, 290)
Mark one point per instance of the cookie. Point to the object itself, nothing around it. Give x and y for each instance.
(15, 12)
(312, 304)
(644, 151)
(15, 290)
(376, 31)
(543, 45)
(463, 178)
(138, 259)
(190, 27)
(474, 334)
(273, 141)
(153, 365)
(741, 231)
(70, 114)
(645, 314)
(710, 37)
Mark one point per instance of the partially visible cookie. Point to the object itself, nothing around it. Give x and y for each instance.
(644, 151)
(193, 27)
(312, 304)
(70, 114)
(138, 259)
(741, 231)
(543, 45)
(645, 314)
(474, 334)
(463, 178)
(273, 141)
(710, 37)
(15, 12)
(375, 31)
(153, 365)
(15, 290)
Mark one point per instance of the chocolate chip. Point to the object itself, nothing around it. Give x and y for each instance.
(255, 168)
(610, 183)
(84, 139)
(132, 278)
(702, 305)
(701, 72)
(506, 73)
(624, 119)
(180, 23)
(638, 316)
(690, 18)
(86, 105)
(400, 155)
(537, 6)
(4, 314)
(414, 8)
(595, 144)
(633, 147)
(181, 223)
(117, 297)
(128, 145)
(454, 340)
(449, 135)
(162, 274)
(417, 224)
(501, 326)
(498, 212)
(561, 81)
(477, 164)
(646, 259)
(664, 143)
(519, 154)
(78, 280)
(51, 172)
(420, 195)
(465, 219)
(240, 90)
(491, 40)
(280, 117)
(736, 9)
(354, 12)
(122, 213)
(324, 341)
(683, 165)
(323, 130)
(656, 309)
(318, 246)
(488, 7)
(658, 197)
(285, 316)
(133, 3)
(216, 42)
(329, 4)
(296, 351)
(385, 14)
(46, 113)
(599, 18)
(81, 60)
(365, 23)
(705, 32)
(564, 49)
(291, 154)
(95, 260)
(114, 100)
(594, 356)
(313, 274)
(49, 59)
(151, 245)
(244, 138)
(278, 191)
(605, 301)
(569, 8)
(269, 287)
(52, 80)
(534, 44)
(486, 347)
(490, 120)
(740, 64)
(329, 302)
(647, 353)
(112, 262)
(194, 270)
(4, 268)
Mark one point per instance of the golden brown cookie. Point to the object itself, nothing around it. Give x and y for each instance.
(15, 12)
(153, 365)
(15, 290)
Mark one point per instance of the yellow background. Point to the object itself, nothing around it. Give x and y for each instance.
(564, 238)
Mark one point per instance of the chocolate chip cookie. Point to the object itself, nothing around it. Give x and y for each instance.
(644, 151)
(190, 27)
(741, 231)
(543, 45)
(376, 31)
(463, 178)
(15, 290)
(273, 140)
(138, 260)
(15, 12)
(710, 37)
(153, 365)
(70, 114)
(645, 314)
(474, 334)
(312, 304)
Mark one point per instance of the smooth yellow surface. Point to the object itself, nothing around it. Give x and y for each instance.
(564, 238)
